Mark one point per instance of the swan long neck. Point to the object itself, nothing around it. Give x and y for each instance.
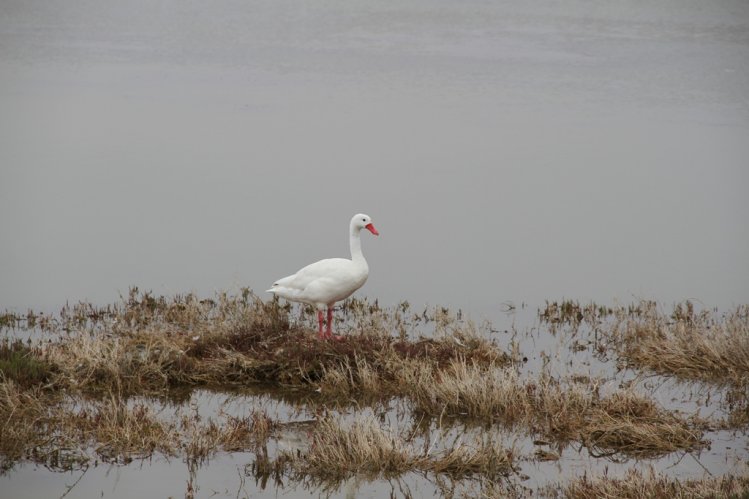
(355, 243)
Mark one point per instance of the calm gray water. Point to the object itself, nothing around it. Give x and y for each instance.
(507, 151)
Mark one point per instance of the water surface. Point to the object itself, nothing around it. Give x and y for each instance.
(507, 151)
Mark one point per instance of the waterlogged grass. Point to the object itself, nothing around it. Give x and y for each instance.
(337, 452)
(623, 422)
(153, 344)
(687, 344)
(636, 485)
(48, 428)
(69, 399)
(683, 343)
(23, 364)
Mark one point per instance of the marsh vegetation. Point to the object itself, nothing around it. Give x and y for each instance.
(403, 392)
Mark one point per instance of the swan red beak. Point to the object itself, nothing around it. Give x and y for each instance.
(371, 228)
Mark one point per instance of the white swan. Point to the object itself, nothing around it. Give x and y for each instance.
(323, 283)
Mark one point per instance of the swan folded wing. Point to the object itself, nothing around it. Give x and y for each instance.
(323, 268)
(326, 281)
(305, 276)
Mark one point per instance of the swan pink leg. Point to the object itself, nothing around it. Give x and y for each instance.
(328, 331)
(319, 322)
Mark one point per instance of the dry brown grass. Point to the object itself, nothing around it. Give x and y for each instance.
(119, 432)
(466, 389)
(149, 344)
(623, 423)
(156, 359)
(46, 428)
(638, 485)
(686, 344)
(337, 452)
(152, 345)
(23, 426)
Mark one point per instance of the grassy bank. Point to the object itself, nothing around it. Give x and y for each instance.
(67, 397)
(152, 344)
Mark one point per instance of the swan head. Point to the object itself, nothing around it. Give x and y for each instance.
(362, 221)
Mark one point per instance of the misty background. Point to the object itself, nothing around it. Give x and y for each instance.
(507, 151)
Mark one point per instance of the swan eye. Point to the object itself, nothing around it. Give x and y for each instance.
(363, 219)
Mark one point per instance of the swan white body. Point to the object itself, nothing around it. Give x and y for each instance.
(323, 283)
